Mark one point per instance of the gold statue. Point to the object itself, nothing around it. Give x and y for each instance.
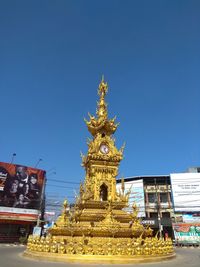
(98, 224)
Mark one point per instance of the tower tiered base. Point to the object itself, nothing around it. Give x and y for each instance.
(100, 250)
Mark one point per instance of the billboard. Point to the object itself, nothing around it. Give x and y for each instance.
(21, 189)
(187, 233)
(191, 218)
(186, 191)
(136, 194)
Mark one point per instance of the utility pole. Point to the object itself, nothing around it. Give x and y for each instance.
(158, 209)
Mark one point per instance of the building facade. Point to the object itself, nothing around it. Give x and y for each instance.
(158, 207)
(21, 200)
(171, 203)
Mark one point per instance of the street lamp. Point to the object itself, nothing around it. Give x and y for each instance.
(13, 156)
(38, 163)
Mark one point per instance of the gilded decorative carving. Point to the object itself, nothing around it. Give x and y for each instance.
(98, 224)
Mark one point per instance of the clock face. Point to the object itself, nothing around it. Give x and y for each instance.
(104, 149)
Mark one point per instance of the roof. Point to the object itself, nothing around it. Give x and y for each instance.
(145, 177)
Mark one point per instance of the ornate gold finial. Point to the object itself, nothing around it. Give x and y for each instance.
(103, 87)
(135, 209)
(122, 148)
(101, 123)
(65, 204)
(102, 106)
(81, 190)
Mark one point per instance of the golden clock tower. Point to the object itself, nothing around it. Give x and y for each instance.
(102, 160)
(98, 228)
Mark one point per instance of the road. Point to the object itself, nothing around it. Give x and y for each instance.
(11, 256)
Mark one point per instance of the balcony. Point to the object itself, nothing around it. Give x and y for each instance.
(158, 188)
(165, 205)
(150, 188)
(162, 206)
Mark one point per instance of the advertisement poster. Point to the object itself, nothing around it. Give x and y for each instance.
(20, 189)
(136, 195)
(187, 233)
(191, 218)
(37, 231)
(186, 191)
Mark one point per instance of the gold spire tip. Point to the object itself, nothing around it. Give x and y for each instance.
(103, 87)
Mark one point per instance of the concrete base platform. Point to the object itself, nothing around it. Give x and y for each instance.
(97, 259)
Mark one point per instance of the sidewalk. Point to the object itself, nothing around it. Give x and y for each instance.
(12, 245)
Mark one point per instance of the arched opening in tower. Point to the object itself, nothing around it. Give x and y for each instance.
(103, 192)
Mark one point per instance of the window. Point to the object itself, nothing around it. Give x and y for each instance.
(166, 214)
(153, 215)
(152, 197)
(163, 197)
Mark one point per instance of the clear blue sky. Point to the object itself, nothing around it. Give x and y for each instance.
(52, 56)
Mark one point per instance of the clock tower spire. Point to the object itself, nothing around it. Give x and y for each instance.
(102, 159)
(101, 124)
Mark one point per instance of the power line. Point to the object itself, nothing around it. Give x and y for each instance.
(60, 186)
(181, 181)
(62, 181)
